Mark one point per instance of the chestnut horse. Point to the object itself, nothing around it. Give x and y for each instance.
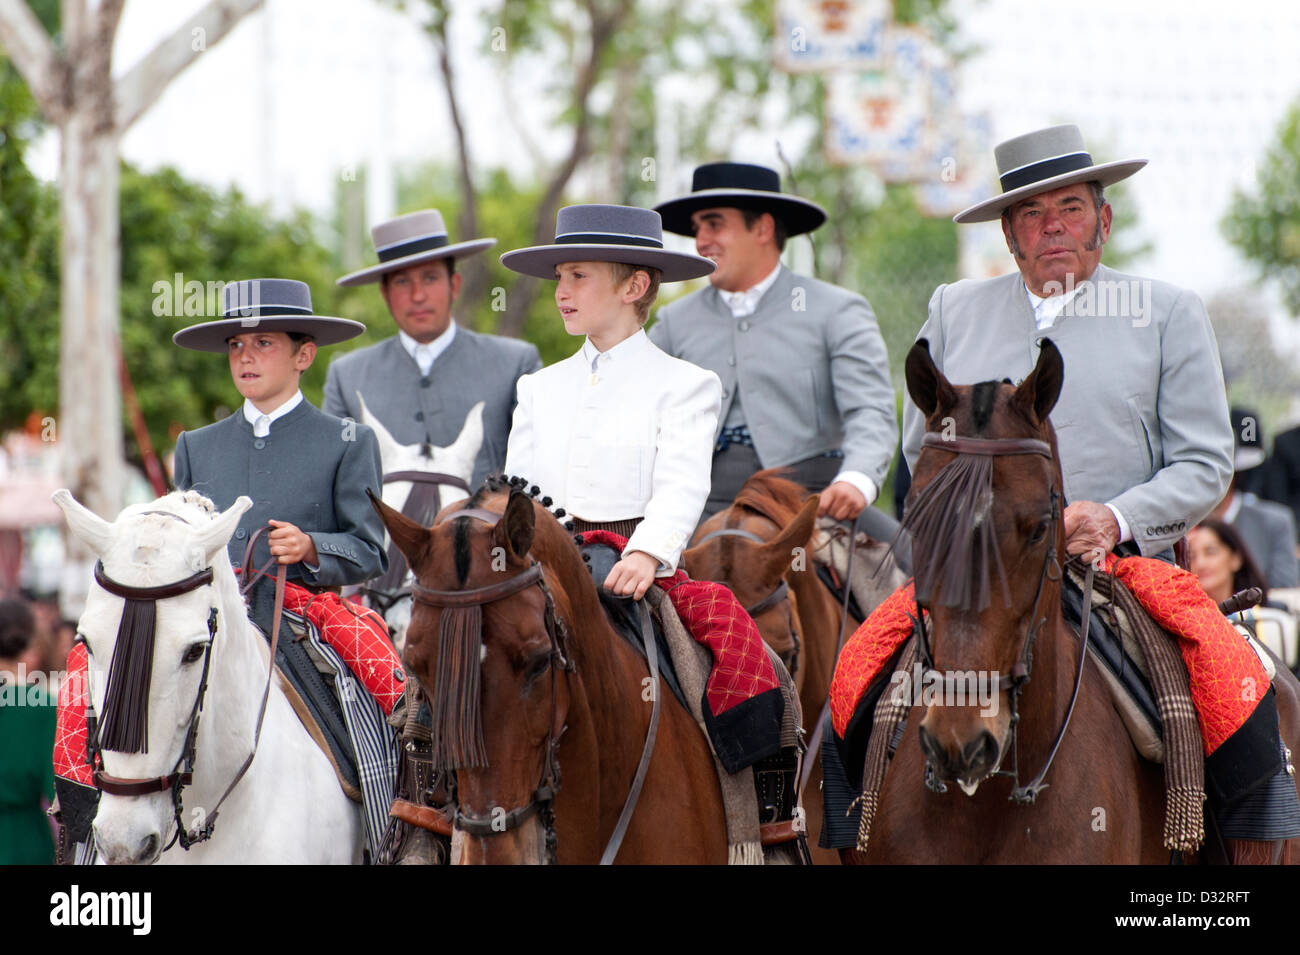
(540, 709)
(989, 573)
(801, 622)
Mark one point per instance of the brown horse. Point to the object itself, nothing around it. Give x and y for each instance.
(527, 679)
(801, 623)
(988, 571)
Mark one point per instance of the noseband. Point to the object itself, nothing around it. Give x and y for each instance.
(1015, 682)
(544, 794)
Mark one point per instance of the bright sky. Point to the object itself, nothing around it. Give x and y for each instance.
(305, 89)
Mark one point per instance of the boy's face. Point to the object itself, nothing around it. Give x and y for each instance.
(590, 300)
(266, 367)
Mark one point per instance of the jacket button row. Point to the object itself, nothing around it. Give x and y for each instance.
(260, 443)
(425, 382)
(419, 416)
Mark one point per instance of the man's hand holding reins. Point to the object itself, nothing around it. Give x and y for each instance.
(842, 501)
(1090, 530)
(289, 545)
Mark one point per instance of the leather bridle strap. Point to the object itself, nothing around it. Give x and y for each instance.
(776, 596)
(643, 767)
(990, 446)
(478, 595)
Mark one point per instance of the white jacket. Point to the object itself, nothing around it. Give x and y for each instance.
(632, 439)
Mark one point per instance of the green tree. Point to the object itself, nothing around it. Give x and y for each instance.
(1265, 223)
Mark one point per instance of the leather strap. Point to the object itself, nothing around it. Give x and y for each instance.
(151, 593)
(991, 446)
(477, 513)
(629, 807)
(423, 817)
(427, 477)
(479, 595)
(778, 833)
(119, 786)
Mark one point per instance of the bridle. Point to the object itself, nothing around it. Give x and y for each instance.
(1014, 683)
(182, 773)
(543, 798)
(420, 505)
(781, 594)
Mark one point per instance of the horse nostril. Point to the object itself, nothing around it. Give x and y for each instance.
(148, 849)
(930, 746)
(982, 752)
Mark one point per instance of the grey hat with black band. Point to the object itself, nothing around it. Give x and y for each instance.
(412, 239)
(602, 233)
(740, 185)
(1041, 161)
(268, 305)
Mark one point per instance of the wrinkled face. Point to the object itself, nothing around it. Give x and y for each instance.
(1056, 237)
(1213, 562)
(420, 298)
(266, 367)
(721, 235)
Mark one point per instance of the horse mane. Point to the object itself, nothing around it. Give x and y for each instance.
(770, 493)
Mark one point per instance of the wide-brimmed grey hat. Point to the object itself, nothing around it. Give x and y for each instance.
(740, 185)
(271, 305)
(1041, 161)
(600, 233)
(410, 240)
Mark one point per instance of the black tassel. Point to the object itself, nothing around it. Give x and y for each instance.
(559, 514)
(547, 502)
(534, 491)
(457, 711)
(125, 723)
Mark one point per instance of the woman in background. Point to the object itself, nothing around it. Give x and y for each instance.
(26, 747)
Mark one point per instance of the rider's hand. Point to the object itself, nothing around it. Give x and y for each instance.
(290, 545)
(842, 501)
(1090, 529)
(632, 575)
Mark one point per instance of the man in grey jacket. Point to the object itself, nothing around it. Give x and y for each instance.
(804, 372)
(1142, 421)
(423, 381)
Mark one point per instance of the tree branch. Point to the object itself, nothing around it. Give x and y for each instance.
(140, 88)
(33, 53)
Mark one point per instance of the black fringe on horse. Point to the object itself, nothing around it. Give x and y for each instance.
(124, 726)
(457, 714)
(953, 535)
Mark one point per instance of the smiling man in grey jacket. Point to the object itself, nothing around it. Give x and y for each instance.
(804, 371)
(1142, 421)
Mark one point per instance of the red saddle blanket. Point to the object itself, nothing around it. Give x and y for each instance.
(357, 634)
(710, 611)
(1227, 679)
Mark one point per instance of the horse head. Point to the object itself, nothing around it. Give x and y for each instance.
(456, 460)
(984, 512)
(487, 642)
(147, 659)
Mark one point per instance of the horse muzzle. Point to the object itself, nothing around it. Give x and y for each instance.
(966, 761)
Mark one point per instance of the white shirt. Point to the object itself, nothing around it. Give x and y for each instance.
(746, 302)
(262, 422)
(1046, 312)
(426, 353)
(633, 438)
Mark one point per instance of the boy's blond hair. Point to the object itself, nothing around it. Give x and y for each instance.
(621, 272)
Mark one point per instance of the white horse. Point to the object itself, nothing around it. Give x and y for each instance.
(288, 807)
(456, 459)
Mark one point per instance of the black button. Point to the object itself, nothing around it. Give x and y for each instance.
(419, 416)
(260, 443)
(241, 533)
(425, 382)
(399, 676)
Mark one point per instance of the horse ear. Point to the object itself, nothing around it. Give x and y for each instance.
(925, 382)
(215, 536)
(515, 529)
(388, 445)
(1038, 393)
(778, 553)
(91, 529)
(411, 537)
(470, 439)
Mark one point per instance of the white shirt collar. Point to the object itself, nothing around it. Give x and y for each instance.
(628, 346)
(1234, 507)
(1047, 310)
(261, 422)
(746, 302)
(426, 353)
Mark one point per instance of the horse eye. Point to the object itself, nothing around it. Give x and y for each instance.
(193, 653)
(536, 667)
(1039, 532)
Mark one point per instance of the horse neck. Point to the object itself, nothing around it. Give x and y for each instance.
(819, 625)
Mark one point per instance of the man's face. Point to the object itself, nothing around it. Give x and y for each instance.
(420, 298)
(738, 251)
(1055, 234)
(266, 367)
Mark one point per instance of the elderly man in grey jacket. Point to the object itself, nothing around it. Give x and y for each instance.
(1142, 421)
(423, 381)
(804, 372)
